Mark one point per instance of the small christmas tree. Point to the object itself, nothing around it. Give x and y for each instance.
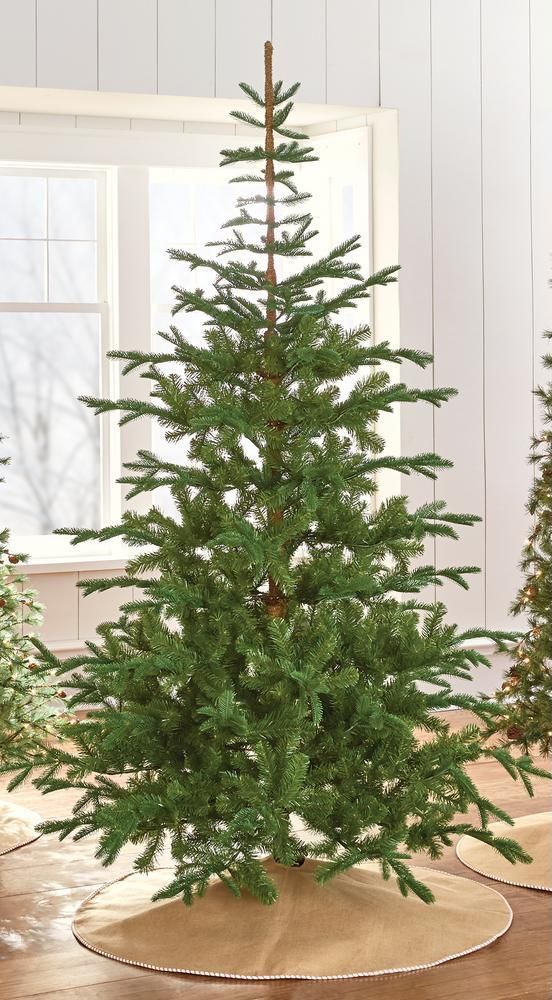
(526, 695)
(278, 669)
(28, 703)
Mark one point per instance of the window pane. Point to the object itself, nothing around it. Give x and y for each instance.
(347, 195)
(72, 272)
(22, 270)
(216, 204)
(171, 213)
(71, 208)
(22, 207)
(166, 272)
(53, 479)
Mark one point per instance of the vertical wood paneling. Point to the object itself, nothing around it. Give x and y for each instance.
(353, 52)
(67, 44)
(406, 85)
(507, 291)
(18, 43)
(242, 28)
(541, 181)
(186, 47)
(128, 46)
(299, 37)
(458, 288)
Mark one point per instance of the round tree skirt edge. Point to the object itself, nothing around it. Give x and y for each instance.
(17, 826)
(534, 833)
(356, 925)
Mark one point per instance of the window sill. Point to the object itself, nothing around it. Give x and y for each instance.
(74, 564)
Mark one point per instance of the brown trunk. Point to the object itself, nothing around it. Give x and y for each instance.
(276, 602)
(269, 179)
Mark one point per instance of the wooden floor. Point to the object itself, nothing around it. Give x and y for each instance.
(43, 883)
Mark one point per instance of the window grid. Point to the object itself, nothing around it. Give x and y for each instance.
(100, 305)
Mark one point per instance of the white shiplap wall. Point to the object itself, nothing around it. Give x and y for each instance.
(457, 267)
(473, 85)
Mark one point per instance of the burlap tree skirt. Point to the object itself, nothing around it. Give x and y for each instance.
(356, 925)
(17, 826)
(534, 833)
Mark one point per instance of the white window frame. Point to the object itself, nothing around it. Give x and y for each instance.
(48, 546)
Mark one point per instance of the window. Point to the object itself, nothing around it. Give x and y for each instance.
(54, 331)
(84, 267)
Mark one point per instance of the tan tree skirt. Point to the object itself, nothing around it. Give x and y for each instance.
(534, 833)
(356, 925)
(17, 826)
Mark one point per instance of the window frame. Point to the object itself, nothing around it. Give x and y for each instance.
(51, 546)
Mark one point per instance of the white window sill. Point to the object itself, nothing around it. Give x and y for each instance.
(74, 564)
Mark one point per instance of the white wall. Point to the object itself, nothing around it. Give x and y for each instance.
(473, 85)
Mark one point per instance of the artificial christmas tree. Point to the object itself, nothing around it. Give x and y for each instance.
(262, 696)
(28, 705)
(526, 695)
(525, 698)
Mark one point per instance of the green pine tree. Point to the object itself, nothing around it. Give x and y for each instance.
(526, 695)
(28, 702)
(268, 678)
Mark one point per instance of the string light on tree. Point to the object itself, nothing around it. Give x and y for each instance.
(28, 707)
(527, 704)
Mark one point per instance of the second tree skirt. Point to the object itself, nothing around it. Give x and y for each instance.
(18, 826)
(533, 833)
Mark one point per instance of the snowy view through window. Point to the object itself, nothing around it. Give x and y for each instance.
(48, 256)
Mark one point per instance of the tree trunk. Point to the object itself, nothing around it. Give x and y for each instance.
(276, 602)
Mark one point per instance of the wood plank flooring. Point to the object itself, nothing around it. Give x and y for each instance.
(42, 884)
